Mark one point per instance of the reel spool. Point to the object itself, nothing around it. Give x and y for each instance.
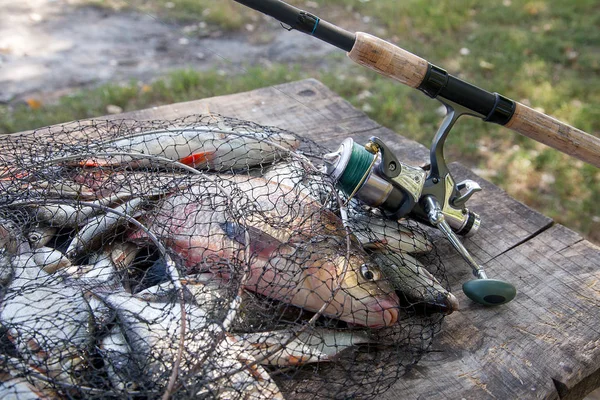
(367, 174)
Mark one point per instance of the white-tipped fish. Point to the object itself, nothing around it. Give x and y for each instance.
(307, 347)
(214, 147)
(380, 233)
(100, 225)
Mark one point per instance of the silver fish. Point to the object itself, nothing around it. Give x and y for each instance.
(418, 286)
(377, 233)
(8, 236)
(39, 235)
(320, 345)
(50, 260)
(20, 389)
(142, 348)
(100, 225)
(63, 215)
(293, 174)
(216, 148)
(47, 320)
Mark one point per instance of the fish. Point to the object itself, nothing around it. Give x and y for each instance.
(50, 260)
(319, 345)
(39, 235)
(293, 173)
(142, 347)
(298, 251)
(373, 231)
(21, 389)
(98, 226)
(63, 215)
(376, 232)
(8, 236)
(415, 284)
(217, 148)
(48, 321)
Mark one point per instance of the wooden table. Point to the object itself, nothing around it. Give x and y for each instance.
(544, 344)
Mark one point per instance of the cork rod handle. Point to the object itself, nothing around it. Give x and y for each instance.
(388, 59)
(409, 69)
(556, 134)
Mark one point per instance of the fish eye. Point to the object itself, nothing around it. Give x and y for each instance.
(369, 273)
(34, 236)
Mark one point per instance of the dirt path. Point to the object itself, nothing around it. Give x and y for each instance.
(51, 47)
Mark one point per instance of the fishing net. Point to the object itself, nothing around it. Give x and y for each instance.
(204, 257)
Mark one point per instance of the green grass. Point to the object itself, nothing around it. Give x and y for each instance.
(179, 86)
(222, 14)
(544, 53)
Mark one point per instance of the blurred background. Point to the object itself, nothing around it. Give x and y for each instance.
(62, 60)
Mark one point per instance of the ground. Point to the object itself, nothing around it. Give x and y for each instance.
(51, 47)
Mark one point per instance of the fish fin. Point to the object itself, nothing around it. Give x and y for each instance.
(261, 243)
(196, 159)
(94, 162)
(375, 245)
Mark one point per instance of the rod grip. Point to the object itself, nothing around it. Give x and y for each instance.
(388, 59)
(556, 134)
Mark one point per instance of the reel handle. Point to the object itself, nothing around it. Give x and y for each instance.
(485, 291)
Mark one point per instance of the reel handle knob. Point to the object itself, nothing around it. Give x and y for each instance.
(489, 292)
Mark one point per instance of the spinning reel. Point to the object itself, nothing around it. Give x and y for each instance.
(377, 178)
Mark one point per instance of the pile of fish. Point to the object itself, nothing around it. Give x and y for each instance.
(199, 259)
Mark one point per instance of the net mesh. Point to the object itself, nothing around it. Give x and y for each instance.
(204, 257)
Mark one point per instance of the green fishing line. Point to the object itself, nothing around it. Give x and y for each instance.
(358, 164)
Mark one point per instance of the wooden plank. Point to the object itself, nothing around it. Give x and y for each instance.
(544, 344)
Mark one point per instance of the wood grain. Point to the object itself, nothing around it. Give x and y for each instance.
(543, 345)
(555, 134)
(388, 59)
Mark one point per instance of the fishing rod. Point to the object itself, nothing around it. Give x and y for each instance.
(374, 175)
(409, 69)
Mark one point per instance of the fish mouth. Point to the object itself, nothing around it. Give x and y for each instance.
(444, 303)
(378, 313)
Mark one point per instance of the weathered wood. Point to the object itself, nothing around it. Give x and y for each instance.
(388, 59)
(556, 134)
(544, 344)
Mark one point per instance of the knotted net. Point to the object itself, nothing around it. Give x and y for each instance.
(204, 257)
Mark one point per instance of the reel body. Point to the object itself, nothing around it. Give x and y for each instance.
(374, 175)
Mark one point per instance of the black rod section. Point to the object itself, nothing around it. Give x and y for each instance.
(303, 22)
(492, 107)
